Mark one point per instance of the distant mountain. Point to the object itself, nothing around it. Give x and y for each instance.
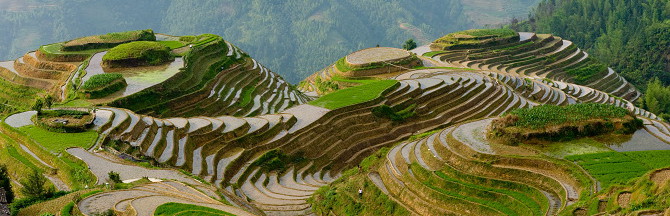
(294, 37)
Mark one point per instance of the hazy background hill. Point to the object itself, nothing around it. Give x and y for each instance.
(292, 37)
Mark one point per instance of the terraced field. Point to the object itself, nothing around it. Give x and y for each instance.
(268, 147)
(540, 55)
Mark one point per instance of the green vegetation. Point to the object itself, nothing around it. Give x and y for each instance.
(343, 66)
(172, 44)
(582, 75)
(396, 113)
(626, 35)
(139, 53)
(447, 68)
(101, 85)
(451, 190)
(16, 155)
(54, 52)
(6, 183)
(247, 94)
(549, 115)
(174, 209)
(357, 80)
(562, 123)
(620, 167)
(276, 160)
(657, 99)
(341, 196)
(108, 40)
(34, 186)
(101, 80)
(354, 95)
(15, 97)
(474, 38)
(432, 53)
(58, 142)
(409, 44)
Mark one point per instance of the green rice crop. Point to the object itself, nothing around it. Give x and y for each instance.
(101, 80)
(170, 209)
(353, 95)
(547, 115)
(620, 167)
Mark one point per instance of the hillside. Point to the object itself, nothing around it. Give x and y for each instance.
(210, 130)
(305, 35)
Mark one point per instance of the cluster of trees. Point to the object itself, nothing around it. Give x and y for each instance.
(657, 99)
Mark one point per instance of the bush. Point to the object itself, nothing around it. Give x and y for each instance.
(114, 177)
(67, 209)
(396, 113)
(187, 39)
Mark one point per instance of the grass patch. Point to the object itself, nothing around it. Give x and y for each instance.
(357, 80)
(573, 147)
(432, 53)
(172, 44)
(247, 93)
(551, 115)
(15, 154)
(101, 80)
(448, 68)
(108, 40)
(620, 167)
(584, 74)
(354, 95)
(58, 142)
(138, 53)
(171, 209)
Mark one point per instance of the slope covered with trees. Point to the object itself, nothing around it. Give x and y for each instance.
(632, 36)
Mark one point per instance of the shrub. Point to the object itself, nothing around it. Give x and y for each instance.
(67, 209)
(34, 186)
(114, 177)
(396, 113)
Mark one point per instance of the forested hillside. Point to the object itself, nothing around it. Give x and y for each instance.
(633, 36)
(293, 37)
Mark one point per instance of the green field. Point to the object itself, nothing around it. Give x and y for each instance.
(353, 95)
(448, 68)
(548, 115)
(170, 209)
(151, 52)
(58, 142)
(172, 44)
(620, 167)
(101, 80)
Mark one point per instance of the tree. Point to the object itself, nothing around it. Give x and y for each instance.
(48, 101)
(409, 44)
(114, 177)
(34, 186)
(657, 98)
(38, 105)
(5, 183)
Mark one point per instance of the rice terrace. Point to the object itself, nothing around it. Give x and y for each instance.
(477, 122)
